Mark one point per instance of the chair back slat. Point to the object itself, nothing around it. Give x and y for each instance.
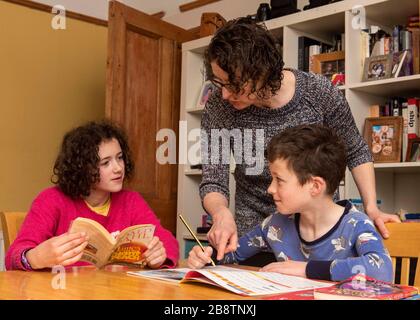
(405, 271)
(404, 243)
(11, 223)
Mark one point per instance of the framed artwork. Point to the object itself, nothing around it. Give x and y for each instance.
(413, 150)
(205, 92)
(329, 65)
(384, 138)
(378, 67)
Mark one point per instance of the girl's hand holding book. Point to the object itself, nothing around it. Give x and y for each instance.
(155, 254)
(62, 250)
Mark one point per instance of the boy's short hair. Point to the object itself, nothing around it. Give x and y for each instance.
(76, 169)
(311, 150)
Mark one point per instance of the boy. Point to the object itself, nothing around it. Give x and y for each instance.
(310, 235)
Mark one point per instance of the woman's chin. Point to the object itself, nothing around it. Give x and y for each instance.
(238, 105)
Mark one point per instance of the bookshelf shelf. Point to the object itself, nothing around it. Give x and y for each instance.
(193, 172)
(400, 167)
(397, 183)
(408, 86)
(195, 110)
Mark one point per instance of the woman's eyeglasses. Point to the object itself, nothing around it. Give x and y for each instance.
(228, 86)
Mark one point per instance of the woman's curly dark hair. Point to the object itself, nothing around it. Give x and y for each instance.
(246, 49)
(76, 168)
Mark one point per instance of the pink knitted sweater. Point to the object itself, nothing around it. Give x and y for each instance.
(52, 212)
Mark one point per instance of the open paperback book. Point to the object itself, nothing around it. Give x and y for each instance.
(127, 248)
(239, 281)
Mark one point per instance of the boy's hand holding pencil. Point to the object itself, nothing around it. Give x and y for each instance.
(200, 247)
(198, 258)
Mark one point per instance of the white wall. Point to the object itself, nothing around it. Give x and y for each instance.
(227, 8)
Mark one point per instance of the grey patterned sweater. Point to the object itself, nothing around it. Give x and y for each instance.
(315, 100)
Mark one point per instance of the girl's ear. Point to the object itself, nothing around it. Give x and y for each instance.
(318, 186)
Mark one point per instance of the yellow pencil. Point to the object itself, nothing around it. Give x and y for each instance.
(194, 236)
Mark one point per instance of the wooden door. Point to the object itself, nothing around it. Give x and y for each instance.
(142, 94)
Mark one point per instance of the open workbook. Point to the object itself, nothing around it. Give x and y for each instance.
(239, 281)
(128, 247)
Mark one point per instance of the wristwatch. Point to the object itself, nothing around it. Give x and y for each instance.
(25, 261)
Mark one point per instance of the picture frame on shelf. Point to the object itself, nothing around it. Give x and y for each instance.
(413, 150)
(206, 90)
(378, 67)
(384, 138)
(330, 65)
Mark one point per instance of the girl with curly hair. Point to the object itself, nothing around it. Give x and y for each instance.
(89, 172)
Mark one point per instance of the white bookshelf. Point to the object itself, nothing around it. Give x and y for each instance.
(397, 183)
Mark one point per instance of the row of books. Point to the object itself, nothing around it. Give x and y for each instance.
(406, 108)
(377, 42)
(307, 47)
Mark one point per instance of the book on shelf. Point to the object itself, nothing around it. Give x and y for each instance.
(102, 249)
(239, 281)
(313, 50)
(398, 62)
(361, 287)
(413, 118)
(415, 33)
(303, 51)
(405, 132)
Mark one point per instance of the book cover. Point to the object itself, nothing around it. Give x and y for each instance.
(412, 129)
(361, 287)
(240, 281)
(416, 50)
(102, 249)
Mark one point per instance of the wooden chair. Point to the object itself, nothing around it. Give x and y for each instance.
(404, 243)
(11, 222)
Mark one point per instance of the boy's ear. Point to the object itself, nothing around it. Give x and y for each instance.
(318, 186)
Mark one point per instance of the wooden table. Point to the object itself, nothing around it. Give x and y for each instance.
(86, 283)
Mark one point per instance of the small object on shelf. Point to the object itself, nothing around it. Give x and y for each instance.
(398, 61)
(204, 95)
(203, 230)
(413, 150)
(281, 8)
(328, 64)
(196, 166)
(263, 12)
(318, 3)
(210, 22)
(384, 138)
(338, 79)
(358, 203)
(377, 67)
(408, 216)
